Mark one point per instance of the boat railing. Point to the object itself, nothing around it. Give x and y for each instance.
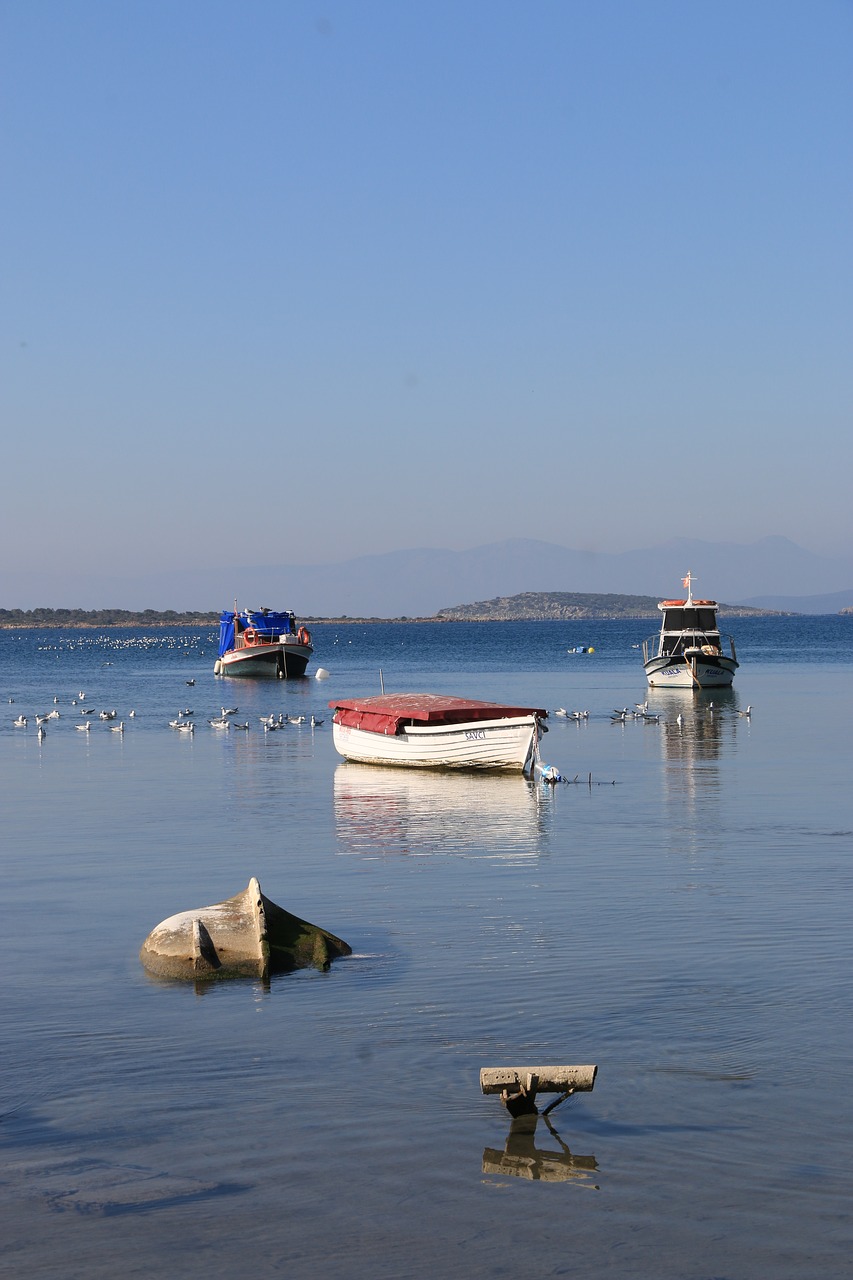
(675, 646)
(260, 637)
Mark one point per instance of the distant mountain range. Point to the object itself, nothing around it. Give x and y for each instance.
(773, 573)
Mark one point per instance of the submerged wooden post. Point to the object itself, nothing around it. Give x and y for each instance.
(518, 1086)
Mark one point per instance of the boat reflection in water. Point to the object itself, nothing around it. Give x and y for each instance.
(521, 1158)
(707, 724)
(698, 742)
(382, 810)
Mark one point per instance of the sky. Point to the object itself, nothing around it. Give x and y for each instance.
(286, 282)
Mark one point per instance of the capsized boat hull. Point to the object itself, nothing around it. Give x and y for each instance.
(244, 936)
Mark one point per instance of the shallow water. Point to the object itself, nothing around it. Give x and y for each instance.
(678, 913)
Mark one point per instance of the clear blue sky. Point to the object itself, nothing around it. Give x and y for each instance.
(292, 282)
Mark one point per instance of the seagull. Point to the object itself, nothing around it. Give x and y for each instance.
(579, 715)
(85, 726)
(117, 728)
(186, 726)
(269, 725)
(131, 713)
(108, 715)
(87, 711)
(561, 711)
(42, 732)
(187, 711)
(236, 725)
(191, 682)
(40, 719)
(315, 723)
(53, 715)
(747, 712)
(21, 722)
(222, 723)
(55, 699)
(679, 719)
(230, 711)
(296, 719)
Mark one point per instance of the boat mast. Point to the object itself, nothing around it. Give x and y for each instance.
(688, 583)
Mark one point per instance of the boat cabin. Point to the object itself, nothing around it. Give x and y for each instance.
(688, 625)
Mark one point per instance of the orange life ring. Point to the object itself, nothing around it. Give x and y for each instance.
(250, 635)
(303, 635)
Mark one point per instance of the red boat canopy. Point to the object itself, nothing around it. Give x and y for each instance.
(387, 712)
(680, 604)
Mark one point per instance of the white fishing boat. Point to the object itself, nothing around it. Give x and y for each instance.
(258, 642)
(433, 731)
(689, 652)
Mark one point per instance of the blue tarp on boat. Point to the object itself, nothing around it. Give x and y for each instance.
(266, 622)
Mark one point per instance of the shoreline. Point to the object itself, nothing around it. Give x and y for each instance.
(81, 624)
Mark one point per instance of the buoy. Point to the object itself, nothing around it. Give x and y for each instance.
(321, 674)
(217, 667)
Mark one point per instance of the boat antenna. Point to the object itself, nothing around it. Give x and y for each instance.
(381, 681)
(688, 583)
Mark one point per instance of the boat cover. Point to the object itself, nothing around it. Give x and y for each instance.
(388, 712)
(265, 621)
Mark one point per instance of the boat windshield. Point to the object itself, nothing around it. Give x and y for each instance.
(690, 620)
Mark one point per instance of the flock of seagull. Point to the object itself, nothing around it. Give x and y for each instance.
(21, 721)
(182, 722)
(224, 721)
(640, 711)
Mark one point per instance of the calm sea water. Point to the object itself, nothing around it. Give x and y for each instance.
(679, 913)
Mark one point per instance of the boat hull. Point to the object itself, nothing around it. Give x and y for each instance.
(279, 659)
(506, 744)
(700, 673)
